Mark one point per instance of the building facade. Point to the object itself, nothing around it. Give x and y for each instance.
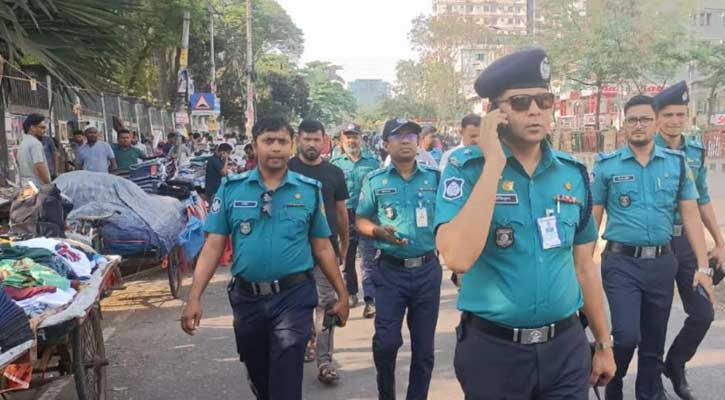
(369, 92)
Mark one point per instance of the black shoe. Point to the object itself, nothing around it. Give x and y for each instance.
(369, 311)
(677, 376)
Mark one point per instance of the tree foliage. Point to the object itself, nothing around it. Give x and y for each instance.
(330, 102)
(710, 61)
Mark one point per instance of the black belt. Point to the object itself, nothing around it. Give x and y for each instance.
(269, 288)
(414, 262)
(638, 251)
(520, 335)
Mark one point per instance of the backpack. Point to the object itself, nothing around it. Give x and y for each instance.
(41, 214)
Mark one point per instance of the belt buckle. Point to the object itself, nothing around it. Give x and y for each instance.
(677, 230)
(413, 262)
(648, 252)
(265, 288)
(532, 336)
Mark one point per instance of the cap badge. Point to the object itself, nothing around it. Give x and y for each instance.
(401, 121)
(545, 69)
(685, 96)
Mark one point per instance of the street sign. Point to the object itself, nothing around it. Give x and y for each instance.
(184, 58)
(181, 118)
(204, 102)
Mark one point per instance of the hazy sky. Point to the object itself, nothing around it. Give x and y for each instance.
(365, 37)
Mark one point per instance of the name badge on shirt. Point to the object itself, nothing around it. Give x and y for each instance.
(244, 204)
(386, 191)
(421, 217)
(549, 232)
(623, 178)
(508, 198)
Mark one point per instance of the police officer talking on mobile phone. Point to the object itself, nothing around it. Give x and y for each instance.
(276, 219)
(513, 216)
(401, 197)
(641, 185)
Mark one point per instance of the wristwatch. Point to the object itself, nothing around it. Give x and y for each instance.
(605, 345)
(706, 271)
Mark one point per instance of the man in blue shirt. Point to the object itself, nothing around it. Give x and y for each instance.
(356, 163)
(276, 219)
(513, 216)
(397, 209)
(96, 155)
(641, 185)
(672, 114)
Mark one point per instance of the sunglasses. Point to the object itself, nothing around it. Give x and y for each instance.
(522, 102)
(267, 203)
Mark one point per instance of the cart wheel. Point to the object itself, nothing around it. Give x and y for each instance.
(89, 358)
(175, 271)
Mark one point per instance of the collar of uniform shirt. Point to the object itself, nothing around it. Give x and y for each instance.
(658, 151)
(254, 176)
(547, 157)
(392, 168)
(660, 141)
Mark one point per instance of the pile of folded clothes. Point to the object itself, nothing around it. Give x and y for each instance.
(149, 175)
(14, 324)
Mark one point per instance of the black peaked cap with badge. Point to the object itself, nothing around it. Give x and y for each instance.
(523, 69)
(352, 128)
(677, 94)
(392, 126)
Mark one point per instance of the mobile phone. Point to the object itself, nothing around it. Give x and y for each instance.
(503, 130)
(330, 321)
(718, 273)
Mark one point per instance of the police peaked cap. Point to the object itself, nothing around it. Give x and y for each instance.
(675, 95)
(524, 69)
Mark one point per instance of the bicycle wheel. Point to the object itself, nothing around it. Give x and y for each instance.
(89, 358)
(175, 272)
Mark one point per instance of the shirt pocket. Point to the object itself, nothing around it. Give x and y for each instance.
(624, 194)
(245, 225)
(568, 221)
(508, 233)
(295, 221)
(666, 192)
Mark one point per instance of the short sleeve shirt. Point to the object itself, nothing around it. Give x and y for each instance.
(355, 172)
(270, 239)
(96, 157)
(332, 179)
(126, 158)
(30, 153)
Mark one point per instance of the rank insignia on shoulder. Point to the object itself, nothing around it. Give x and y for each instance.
(504, 237)
(567, 186)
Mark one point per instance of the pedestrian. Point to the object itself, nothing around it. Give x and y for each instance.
(79, 139)
(250, 160)
(309, 162)
(356, 163)
(52, 155)
(641, 186)
(672, 111)
(277, 220)
(137, 143)
(429, 142)
(95, 155)
(470, 130)
(513, 217)
(125, 153)
(32, 165)
(397, 209)
(422, 156)
(217, 167)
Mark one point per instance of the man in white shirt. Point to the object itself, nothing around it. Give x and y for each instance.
(470, 130)
(32, 165)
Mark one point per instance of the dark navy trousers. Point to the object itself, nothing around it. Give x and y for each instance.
(271, 334)
(367, 252)
(416, 290)
(490, 368)
(699, 309)
(640, 293)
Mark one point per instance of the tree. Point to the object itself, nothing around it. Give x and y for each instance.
(613, 42)
(281, 88)
(710, 59)
(330, 102)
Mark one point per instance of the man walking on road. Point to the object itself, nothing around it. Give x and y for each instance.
(276, 219)
(32, 165)
(356, 163)
(641, 186)
(513, 216)
(672, 114)
(309, 162)
(397, 209)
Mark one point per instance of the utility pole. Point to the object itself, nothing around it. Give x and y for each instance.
(212, 78)
(4, 150)
(250, 72)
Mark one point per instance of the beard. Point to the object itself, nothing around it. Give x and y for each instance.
(640, 142)
(310, 154)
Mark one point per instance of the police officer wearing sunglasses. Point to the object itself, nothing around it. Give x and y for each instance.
(641, 186)
(401, 197)
(672, 119)
(276, 219)
(513, 216)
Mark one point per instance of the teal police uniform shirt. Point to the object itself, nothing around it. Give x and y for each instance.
(268, 248)
(641, 201)
(355, 171)
(394, 201)
(695, 152)
(516, 282)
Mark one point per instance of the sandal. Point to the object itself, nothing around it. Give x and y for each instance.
(311, 350)
(327, 375)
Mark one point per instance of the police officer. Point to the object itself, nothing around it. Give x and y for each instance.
(640, 186)
(672, 111)
(401, 197)
(277, 222)
(356, 163)
(513, 218)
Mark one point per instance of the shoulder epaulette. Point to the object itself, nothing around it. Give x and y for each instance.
(562, 155)
(236, 177)
(463, 155)
(695, 143)
(605, 155)
(673, 151)
(307, 179)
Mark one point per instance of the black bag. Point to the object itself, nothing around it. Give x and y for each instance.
(177, 189)
(42, 214)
